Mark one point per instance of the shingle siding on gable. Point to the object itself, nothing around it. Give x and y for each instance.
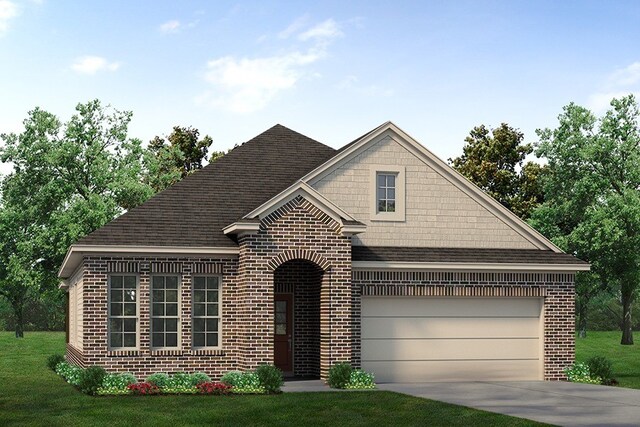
(438, 214)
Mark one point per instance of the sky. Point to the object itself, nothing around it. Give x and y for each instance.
(332, 70)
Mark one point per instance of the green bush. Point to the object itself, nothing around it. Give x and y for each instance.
(579, 373)
(159, 380)
(232, 378)
(199, 378)
(600, 366)
(70, 373)
(339, 375)
(53, 360)
(360, 380)
(243, 382)
(91, 379)
(116, 384)
(270, 377)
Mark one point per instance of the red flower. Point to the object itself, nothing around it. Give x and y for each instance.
(211, 387)
(143, 388)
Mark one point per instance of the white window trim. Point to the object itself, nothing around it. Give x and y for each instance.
(399, 214)
(220, 313)
(109, 347)
(178, 316)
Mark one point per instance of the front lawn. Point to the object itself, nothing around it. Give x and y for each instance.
(30, 394)
(625, 358)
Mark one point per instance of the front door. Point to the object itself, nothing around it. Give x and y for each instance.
(283, 330)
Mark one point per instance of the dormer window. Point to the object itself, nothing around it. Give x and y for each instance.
(387, 193)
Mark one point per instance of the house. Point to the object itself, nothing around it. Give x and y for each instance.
(287, 251)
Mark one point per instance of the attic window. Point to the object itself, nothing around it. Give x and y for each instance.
(387, 193)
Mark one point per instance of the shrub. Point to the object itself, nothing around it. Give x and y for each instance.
(71, 373)
(199, 377)
(243, 382)
(143, 388)
(160, 380)
(116, 384)
(579, 373)
(232, 378)
(216, 388)
(339, 375)
(600, 366)
(91, 379)
(360, 380)
(270, 377)
(53, 360)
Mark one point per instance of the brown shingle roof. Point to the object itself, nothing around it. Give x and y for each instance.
(194, 211)
(462, 255)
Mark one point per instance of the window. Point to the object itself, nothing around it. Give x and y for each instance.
(386, 192)
(206, 311)
(123, 312)
(164, 311)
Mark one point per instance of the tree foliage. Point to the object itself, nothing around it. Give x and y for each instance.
(592, 194)
(494, 161)
(172, 158)
(67, 180)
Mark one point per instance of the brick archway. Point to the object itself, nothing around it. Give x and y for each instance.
(301, 254)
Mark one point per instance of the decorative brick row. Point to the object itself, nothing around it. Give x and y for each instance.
(123, 267)
(443, 290)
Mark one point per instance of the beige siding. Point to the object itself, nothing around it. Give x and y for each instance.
(452, 339)
(75, 310)
(438, 214)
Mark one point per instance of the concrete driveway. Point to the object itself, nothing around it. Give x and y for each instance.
(560, 403)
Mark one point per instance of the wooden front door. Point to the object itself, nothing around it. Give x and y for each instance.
(283, 332)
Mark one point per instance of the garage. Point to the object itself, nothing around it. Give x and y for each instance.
(418, 339)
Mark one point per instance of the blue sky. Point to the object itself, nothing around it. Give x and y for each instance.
(331, 70)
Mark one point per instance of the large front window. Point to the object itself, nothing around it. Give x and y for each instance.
(123, 312)
(164, 311)
(206, 311)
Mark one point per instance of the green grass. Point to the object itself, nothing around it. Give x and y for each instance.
(625, 358)
(31, 394)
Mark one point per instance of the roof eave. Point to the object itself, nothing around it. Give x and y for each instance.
(459, 266)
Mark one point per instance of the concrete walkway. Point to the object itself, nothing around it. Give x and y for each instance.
(560, 403)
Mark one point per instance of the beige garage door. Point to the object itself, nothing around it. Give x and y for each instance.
(415, 339)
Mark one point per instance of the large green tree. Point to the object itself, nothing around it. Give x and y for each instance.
(67, 180)
(172, 158)
(592, 194)
(493, 159)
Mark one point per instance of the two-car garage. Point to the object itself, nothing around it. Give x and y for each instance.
(417, 339)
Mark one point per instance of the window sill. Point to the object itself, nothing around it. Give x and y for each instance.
(396, 217)
(208, 351)
(123, 352)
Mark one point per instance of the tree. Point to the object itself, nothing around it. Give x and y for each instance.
(67, 181)
(171, 159)
(493, 160)
(592, 194)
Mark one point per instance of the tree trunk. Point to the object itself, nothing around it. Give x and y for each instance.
(17, 311)
(627, 333)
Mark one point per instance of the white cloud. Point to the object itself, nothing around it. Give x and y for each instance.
(621, 82)
(294, 27)
(351, 83)
(244, 85)
(170, 26)
(92, 64)
(627, 76)
(8, 11)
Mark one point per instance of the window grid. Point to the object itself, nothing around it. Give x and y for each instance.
(164, 311)
(123, 312)
(206, 312)
(386, 192)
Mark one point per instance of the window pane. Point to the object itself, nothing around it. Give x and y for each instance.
(198, 340)
(281, 317)
(198, 325)
(158, 282)
(391, 180)
(158, 309)
(129, 340)
(157, 325)
(212, 296)
(130, 282)
(129, 325)
(281, 306)
(212, 340)
(171, 282)
(116, 340)
(158, 296)
(157, 340)
(212, 282)
(130, 295)
(171, 296)
(382, 206)
(212, 325)
(391, 194)
(171, 325)
(171, 310)
(281, 329)
(198, 296)
(116, 282)
(198, 310)
(212, 309)
(116, 309)
(198, 282)
(130, 309)
(381, 193)
(115, 325)
(381, 180)
(391, 206)
(172, 340)
(116, 295)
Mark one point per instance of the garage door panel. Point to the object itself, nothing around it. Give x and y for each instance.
(465, 307)
(449, 327)
(476, 370)
(450, 349)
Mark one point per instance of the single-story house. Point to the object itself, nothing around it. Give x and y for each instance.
(287, 251)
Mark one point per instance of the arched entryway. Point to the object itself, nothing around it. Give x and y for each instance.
(297, 309)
